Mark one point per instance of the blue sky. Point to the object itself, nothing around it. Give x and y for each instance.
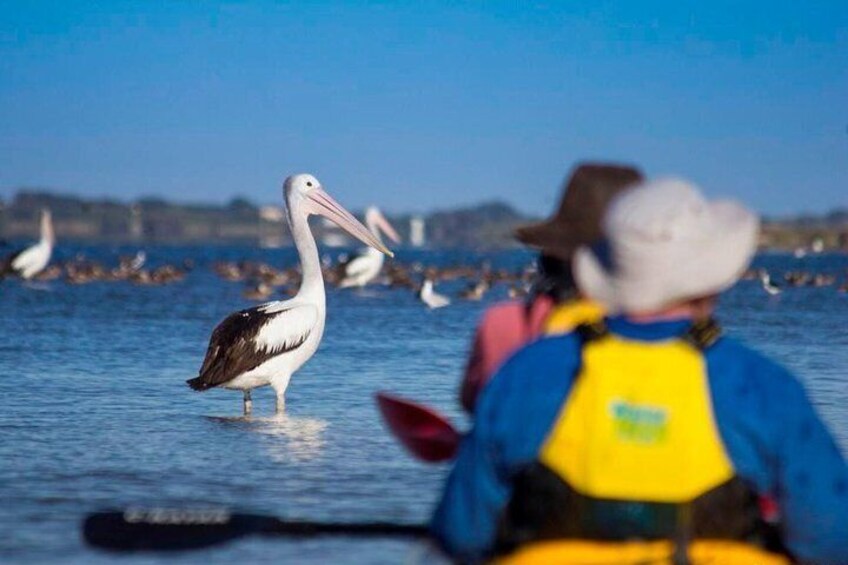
(419, 106)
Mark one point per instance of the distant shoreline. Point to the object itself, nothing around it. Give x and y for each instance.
(487, 226)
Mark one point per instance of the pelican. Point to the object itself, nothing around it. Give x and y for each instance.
(430, 297)
(363, 268)
(30, 261)
(265, 345)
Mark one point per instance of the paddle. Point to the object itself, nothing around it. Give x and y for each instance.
(425, 433)
(169, 529)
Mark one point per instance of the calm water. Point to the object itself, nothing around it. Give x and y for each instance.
(96, 413)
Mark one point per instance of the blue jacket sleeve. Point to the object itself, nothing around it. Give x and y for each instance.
(511, 420)
(777, 441)
(812, 482)
(465, 520)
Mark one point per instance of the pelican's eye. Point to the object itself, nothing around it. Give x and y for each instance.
(309, 184)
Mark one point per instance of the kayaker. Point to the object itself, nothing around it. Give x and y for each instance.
(649, 436)
(554, 305)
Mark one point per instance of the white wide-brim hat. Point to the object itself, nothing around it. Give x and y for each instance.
(665, 243)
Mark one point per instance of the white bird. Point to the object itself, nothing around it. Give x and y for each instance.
(365, 267)
(30, 261)
(430, 297)
(768, 286)
(138, 261)
(265, 345)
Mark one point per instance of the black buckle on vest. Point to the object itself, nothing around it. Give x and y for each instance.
(591, 331)
(703, 334)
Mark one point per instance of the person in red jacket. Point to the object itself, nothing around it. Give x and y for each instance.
(554, 305)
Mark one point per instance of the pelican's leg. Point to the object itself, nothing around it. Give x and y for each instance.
(248, 403)
(280, 383)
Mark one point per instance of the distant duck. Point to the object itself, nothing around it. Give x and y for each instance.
(399, 276)
(51, 273)
(28, 262)
(259, 292)
(229, 271)
(476, 291)
(821, 279)
(430, 297)
(516, 291)
(365, 267)
(797, 278)
(750, 275)
(167, 274)
(266, 344)
(768, 286)
(142, 278)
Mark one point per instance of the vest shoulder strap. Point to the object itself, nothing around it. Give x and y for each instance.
(592, 331)
(703, 334)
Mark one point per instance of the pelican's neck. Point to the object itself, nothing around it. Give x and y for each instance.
(372, 226)
(310, 264)
(47, 235)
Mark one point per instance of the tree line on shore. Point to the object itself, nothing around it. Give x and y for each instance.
(151, 220)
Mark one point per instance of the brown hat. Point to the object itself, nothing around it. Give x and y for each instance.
(589, 190)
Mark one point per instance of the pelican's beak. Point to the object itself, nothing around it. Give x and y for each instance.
(323, 204)
(387, 228)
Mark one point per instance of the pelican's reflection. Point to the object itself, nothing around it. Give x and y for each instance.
(291, 438)
(285, 438)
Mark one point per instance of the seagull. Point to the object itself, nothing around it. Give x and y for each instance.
(768, 286)
(266, 344)
(365, 267)
(430, 297)
(138, 261)
(28, 262)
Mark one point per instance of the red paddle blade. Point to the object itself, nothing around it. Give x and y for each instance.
(424, 432)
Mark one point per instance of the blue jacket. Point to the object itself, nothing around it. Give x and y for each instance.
(772, 435)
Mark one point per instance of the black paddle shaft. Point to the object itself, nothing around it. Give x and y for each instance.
(167, 529)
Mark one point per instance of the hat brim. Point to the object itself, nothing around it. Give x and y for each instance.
(663, 277)
(552, 238)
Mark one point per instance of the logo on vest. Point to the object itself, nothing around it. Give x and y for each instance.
(639, 423)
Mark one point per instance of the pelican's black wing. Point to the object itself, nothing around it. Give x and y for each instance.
(246, 339)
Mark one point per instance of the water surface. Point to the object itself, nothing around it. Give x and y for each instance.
(97, 413)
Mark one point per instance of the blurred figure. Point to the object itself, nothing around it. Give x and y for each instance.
(649, 425)
(554, 304)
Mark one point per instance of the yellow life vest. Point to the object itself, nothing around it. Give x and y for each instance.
(634, 452)
(700, 552)
(638, 424)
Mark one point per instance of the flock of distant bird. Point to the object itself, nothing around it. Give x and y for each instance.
(263, 281)
(794, 279)
(266, 344)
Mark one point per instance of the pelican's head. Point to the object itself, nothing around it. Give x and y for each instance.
(300, 185)
(305, 195)
(376, 222)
